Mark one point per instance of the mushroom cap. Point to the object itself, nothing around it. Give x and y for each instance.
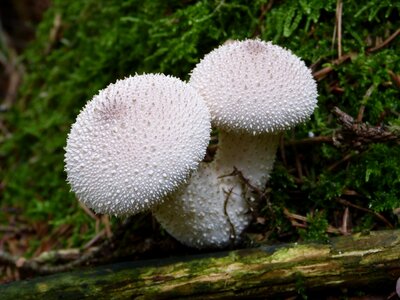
(135, 142)
(255, 87)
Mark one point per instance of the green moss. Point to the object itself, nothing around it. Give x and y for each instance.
(317, 225)
(101, 41)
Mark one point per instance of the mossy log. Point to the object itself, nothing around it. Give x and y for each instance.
(356, 261)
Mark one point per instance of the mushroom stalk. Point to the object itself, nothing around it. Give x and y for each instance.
(252, 155)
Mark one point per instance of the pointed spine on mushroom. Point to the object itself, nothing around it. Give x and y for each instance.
(254, 91)
(136, 142)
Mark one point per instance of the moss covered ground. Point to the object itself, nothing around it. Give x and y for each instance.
(317, 188)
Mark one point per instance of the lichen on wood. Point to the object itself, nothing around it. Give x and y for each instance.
(355, 261)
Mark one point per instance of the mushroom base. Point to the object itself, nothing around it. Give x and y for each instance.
(203, 214)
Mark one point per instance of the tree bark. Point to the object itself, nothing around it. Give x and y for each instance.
(357, 261)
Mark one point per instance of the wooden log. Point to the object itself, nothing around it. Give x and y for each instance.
(357, 261)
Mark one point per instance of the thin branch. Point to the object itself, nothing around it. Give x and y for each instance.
(95, 239)
(58, 255)
(353, 134)
(344, 159)
(33, 266)
(322, 73)
(55, 33)
(395, 78)
(379, 216)
(13, 69)
(88, 211)
(385, 42)
(360, 114)
(282, 150)
(367, 95)
(264, 9)
(15, 229)
(312, 140)
(232, 231)
(358, 135)
(339, 9)
(302, 221)
(299, 167)
(345, 222)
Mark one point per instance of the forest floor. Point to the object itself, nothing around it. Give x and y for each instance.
(114, 240)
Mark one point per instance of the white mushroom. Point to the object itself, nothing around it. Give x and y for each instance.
(136, 142)
(254, 91)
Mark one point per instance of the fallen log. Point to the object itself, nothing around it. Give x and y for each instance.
(357, 261)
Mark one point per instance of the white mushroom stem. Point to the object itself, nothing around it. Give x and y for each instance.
(204, 213)
(252, 155)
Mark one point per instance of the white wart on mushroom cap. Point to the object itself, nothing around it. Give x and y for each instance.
(136, 142)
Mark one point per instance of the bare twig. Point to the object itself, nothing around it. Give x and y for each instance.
(313, 140)
(345, 158)
(264, 9)
(339, 8)
(15, 229)
(232, 231)
(385, 42)
(302, 221)
(367, 95)
(95, 239)
(299, 167)
(360, 114)
(358, 135)
(15, 77)
(87, 211)
(58, 255)
(282, 150)
(345, 222)
(321, 74)
(105, 219)
(55, 33)
(13, 69)
(246, 181)
(379, 216)
(353, 134)
(395, 78)
(33, 266)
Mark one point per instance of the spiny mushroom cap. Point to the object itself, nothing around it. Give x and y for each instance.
(209, 212)
(135, 142)
(255, 86)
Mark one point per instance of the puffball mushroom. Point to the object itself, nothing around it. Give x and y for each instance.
(136, 142)
(254, 91)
